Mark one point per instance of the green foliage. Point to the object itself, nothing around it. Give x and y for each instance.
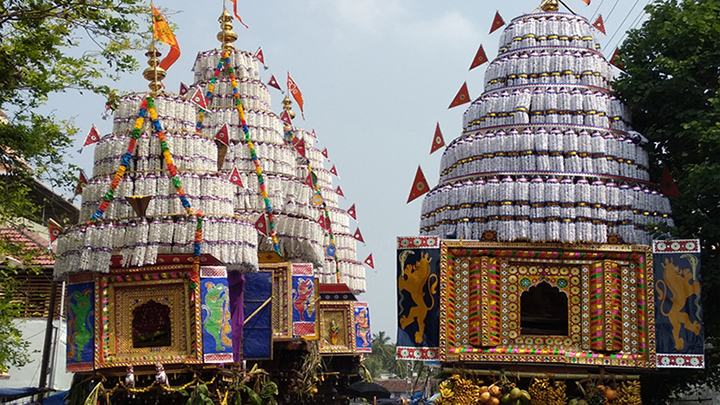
(44, 49)
(671, 85)
(200, 396)
(383, 358)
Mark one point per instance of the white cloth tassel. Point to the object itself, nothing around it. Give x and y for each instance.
(506, 231)
(599, 213)
(522, 208)
(567, 211)
(583, 213)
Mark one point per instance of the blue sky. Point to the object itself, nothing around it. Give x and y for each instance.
(376, 77)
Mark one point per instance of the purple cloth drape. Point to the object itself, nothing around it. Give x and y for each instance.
(237, 320)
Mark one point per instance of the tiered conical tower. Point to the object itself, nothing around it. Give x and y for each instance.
(547, 153)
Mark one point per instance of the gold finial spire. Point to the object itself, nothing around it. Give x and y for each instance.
(550, 5)
(155, 74)
(287, 106)
(227, 36)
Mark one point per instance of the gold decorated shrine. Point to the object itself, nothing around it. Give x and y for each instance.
(549, 303)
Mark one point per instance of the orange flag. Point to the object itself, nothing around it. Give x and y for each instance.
(438, 141)
(163, 33)
(461, 97)
(600, 24)
(497, 22)
(419, 187)
(586, 2)
(297, 95)
(234, 2)
(480, 58)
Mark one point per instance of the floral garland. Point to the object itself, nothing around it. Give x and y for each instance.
(148, 106)
(332, 249)
(225, 60)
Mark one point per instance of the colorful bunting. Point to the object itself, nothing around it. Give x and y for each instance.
(369, 261)
(273, 82)
(438, 141)
(339, 192)
(163, 33)
(261, 225)
(600, 24)
(309, 180)
(615, 60)
(235, 177)
(358, 236)
(420, 185)
(461, 97)
(667, 184)
(199, 99)
(333, 170)
(92, 136)
(55, 229)
(234, 2)
(497, 22)
(352, 213)
(324, 221)
(183, 89)
(82, 181)
(480, 58)
(223, 136)
(297, 95)
(324, 152)
(259, 55)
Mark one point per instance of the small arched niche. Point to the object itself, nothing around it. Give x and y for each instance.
(543, 311)
(151, 325)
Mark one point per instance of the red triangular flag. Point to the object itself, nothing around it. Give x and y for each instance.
(183, 89)
(297, 95)
(259, 55)
(419, 187)
(309, 181)
(261, 225)
(92, 136)
(352, 213)
(235, 177)
(369, 261)
(299, 145)
(333, 170)
(339, 192)
(223, 136)
(199, 99)
(438, 141)
(667, 184)
(357, 235)
(480, 58)
(600, 24)
(497, 22)
(313, 134)
(321, 221)
(273, 82)
(615, 60)
(324, 152)
(285, 117)
(461, 97)
(82, 181)
(55, 229)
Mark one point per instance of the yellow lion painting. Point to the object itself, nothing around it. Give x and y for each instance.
(682, 285)
(414, 279)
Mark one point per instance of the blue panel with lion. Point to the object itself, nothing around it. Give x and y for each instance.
(418, 276)
(678, 313)
(81, 326)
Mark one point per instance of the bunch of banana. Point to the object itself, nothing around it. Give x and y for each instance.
(459, 391)
(539, 391)
(629, 393)
(556, 394)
